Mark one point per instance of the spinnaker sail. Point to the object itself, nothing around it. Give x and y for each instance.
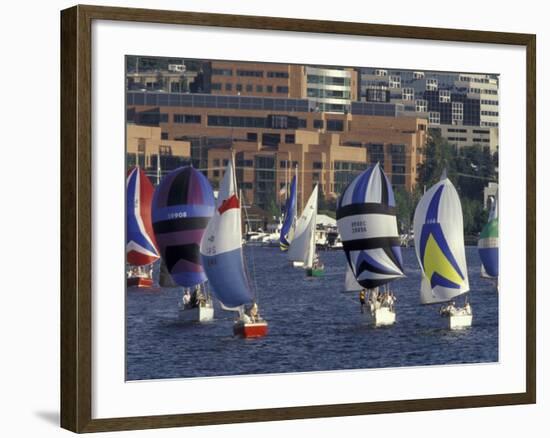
(488, 243)
(182, 207)
(141, 248)
(439, 244)
(350, 283)
(221, 247)
(368, 226)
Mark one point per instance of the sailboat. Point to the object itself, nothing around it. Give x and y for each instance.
(141, 249)
(367, 223)
(182, 206)
(289, 222)
(302, 249)
(223, 260)
(439, 246)
(488, 245)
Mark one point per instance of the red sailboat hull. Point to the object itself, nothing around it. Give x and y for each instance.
(250, 330)
(139, 282)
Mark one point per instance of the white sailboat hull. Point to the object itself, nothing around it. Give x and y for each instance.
(198, 314)
(380, 317)
(457, 322)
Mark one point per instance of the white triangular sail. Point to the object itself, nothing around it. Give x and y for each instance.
(221, 248)
(439, 244)
(302, 248)
(350, 283)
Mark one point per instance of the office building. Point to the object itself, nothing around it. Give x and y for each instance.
(271, 136)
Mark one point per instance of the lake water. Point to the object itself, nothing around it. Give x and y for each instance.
(312, 326)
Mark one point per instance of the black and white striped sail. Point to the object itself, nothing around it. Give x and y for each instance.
(368, 227)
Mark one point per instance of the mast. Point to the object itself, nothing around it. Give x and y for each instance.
(159, 172)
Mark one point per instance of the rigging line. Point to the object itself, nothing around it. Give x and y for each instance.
(253, 259)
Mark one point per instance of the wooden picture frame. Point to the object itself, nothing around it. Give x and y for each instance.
(76, 217)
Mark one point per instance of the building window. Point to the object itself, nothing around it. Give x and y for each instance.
(335, 125)
(248, 88)
(187, 118)
(431, 84)
(216, 173)
(377, 94)
(251, 73)
(421, 105)
(376, 153)
(241, 122)
(270, 139)
(398, 155)
(165, 150)
(290, 138)
(395, 81)
(239, 87)
(279, 122)
(317, 165)
(252, 136)
(269, 88)
(277, 74)
(259, 89)
(457, 113)
(164, 136)
(344, 173)
(444, 96)
(216, 162)
(228, 86)
(407, 93)
(282, 89)
(434, 118)
(318, 124)
(418, 75)
(216, 86)
(379, 72)
(222, 72)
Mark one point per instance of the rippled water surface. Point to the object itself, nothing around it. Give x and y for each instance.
(312, 326)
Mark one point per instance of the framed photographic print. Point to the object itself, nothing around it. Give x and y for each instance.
(268, 218)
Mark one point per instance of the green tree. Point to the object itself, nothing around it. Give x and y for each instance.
(272, 208)
(470, 168)
(405, 202)
(438, 156)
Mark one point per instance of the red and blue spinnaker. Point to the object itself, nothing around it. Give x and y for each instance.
(141, 247)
